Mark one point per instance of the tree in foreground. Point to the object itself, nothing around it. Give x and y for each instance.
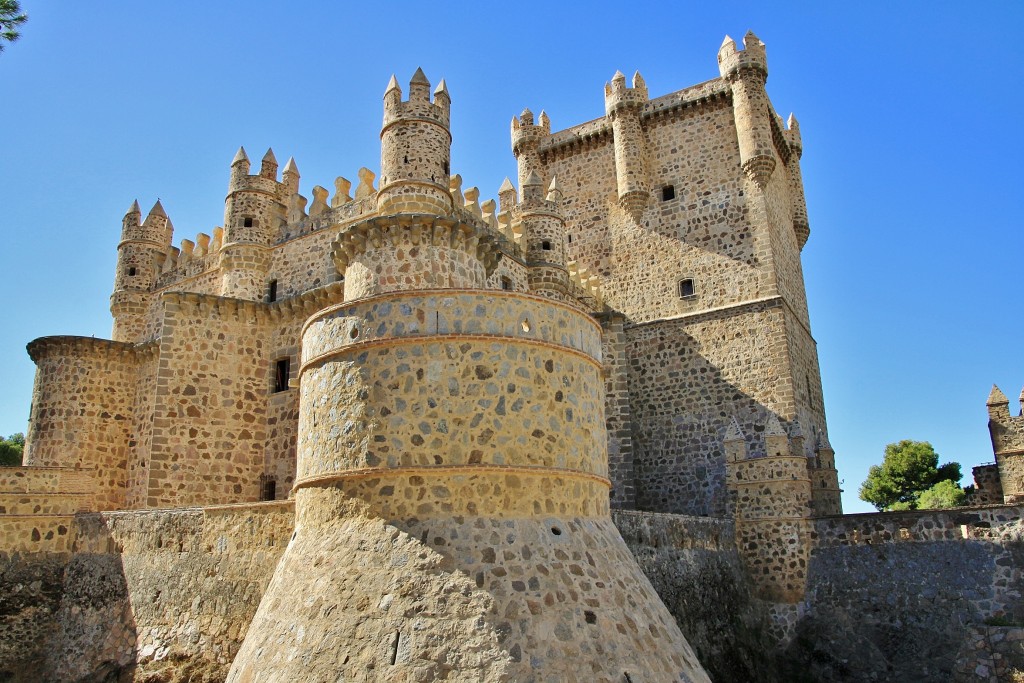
(11, 449)
(945, 494)
(11, 17)
(910, 468)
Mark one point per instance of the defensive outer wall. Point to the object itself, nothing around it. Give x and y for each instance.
(169, 594)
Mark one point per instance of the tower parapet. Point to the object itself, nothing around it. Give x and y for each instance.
(544, 232)
(526, 139)
(623, 106)
(415, 150)
(746, 71)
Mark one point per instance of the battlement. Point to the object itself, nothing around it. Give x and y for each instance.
(618, 96)
(419, 105)
(265, 181)
(753, 57)
(526, 134)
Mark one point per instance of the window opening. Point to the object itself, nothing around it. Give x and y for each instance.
(506, 283)
(247, 223)
(686, 288)
(668, 192)
(131, 271)
(570, 238)
(268, 491)
(545, 245)
(272, 291)
(282, 368)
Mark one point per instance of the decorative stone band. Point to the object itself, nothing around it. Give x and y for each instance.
(414, 229)
(69, 346)
(503, 491)
(440, 313)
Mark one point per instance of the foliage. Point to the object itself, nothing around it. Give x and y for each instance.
(11, 447)
(11, 17)
(909, 469)
(945, 494)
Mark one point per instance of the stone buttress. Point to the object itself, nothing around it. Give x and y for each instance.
(452, 517)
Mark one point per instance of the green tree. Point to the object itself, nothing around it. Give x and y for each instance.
(11, 17)
(11, 449)
(945, 494)
(909, 469)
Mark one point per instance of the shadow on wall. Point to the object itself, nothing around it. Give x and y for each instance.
(682, 405)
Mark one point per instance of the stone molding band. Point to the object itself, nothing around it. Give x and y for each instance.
(453, 337)
(371, 472)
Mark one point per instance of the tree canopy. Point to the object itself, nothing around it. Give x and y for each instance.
(11, 449)
(909, 469)
(11, 17)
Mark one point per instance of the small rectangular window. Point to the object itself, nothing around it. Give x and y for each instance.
(272, 291)
(668, 192)
(686, 288)
(506, 283)
(282, 370)
(268, 488)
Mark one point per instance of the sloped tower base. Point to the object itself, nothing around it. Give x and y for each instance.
(471, 599)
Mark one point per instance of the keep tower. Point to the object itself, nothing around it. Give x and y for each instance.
(452, 516)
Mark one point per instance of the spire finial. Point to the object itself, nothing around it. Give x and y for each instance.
(996, 397)
(240, 157)
(134, 208)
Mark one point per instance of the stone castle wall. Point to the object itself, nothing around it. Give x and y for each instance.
(894, 596)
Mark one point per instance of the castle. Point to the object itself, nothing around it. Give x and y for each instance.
(412, 412)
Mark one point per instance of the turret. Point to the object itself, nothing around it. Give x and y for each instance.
(142, 243)
(415, 150)
(1007, 433)
(746, 72)
(255, 207)
(544, 231)
(526, 139)
(796, 181)
(623, 106)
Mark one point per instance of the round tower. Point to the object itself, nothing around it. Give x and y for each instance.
(415, 150)
(451, 494)
(746, 72)
(253, 211)
(544, 228)
(623, 106)
(137, 269)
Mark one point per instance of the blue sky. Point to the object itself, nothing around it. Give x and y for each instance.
(910, 114)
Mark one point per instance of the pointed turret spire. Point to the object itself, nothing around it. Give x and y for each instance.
(554, 190)
(392, 85)
(268, 168)
(290, 167)
(442, 88)
(996, 397)
(773, 427)
(134, 208)
(240, 157)
(157, 210)
(506, 186)
(419, 78)
(733, 432)
(419, 87)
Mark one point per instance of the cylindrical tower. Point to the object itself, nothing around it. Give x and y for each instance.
(452, 516)
(544, 227)
(415, 150)
(622, 105)
(746, 71)
(526, 139)
(137, 270)
(253, 211)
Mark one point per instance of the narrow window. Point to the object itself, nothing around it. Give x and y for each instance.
(272, 291)
(545, 245)
(447, 171)
(247, 223)
(268, 491)
(668, 192)
(506, 283)
(686, 289)
(282, 368)
(570, 238)
(131, 271)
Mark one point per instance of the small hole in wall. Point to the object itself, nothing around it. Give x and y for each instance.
(556, 531)
(545, 245)
(590, 617)
(668, 192)
(247, 223)
(526, 325)
(131, 271)
(354, 332)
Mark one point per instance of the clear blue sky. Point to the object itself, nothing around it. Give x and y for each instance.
(910, 114)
